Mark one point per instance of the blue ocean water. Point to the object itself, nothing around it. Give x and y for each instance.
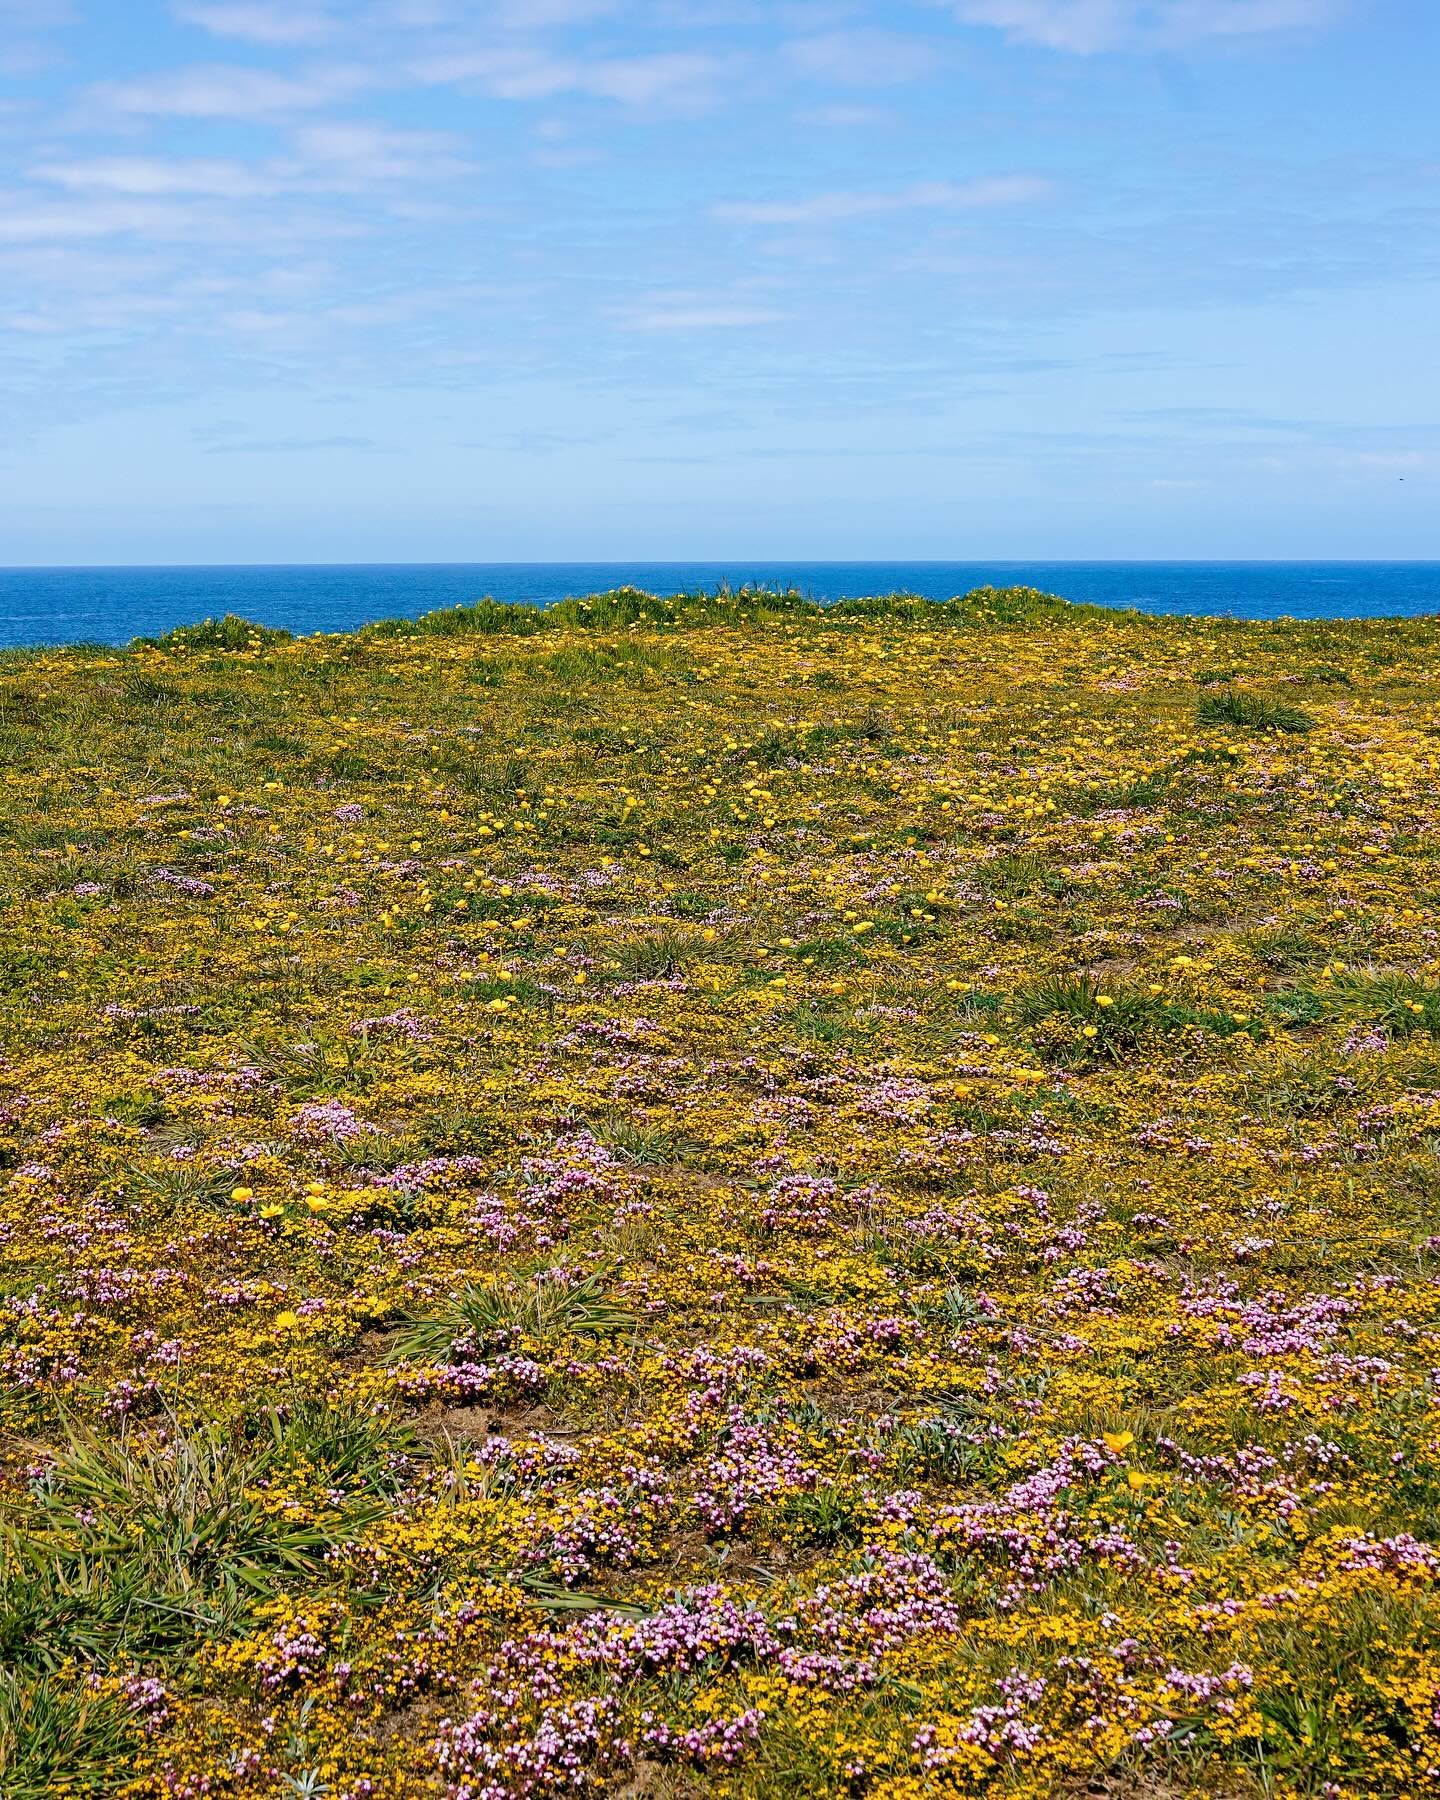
(58, 606)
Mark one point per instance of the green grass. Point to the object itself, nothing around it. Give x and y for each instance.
(553, 1302)
(628, 606)
(134, 1546)
(1251, 712)
(228, 633)
(57, 1737)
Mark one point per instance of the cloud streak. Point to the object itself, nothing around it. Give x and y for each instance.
(1089, 27)
(255, 22)
(864, 58)
(232, 91)
(35, 15)
(66, 221)
(330, 157)
(698, 312)
(841, 207)
(669, 79)
(152, 177)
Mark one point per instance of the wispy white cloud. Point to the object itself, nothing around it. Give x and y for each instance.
(1087, 27)
(499, 15)
(671, 79)
(35, 15)
(93, 285)
(839, 207)
(843, 116)
(357, 152)
(98, 218)
(331, 156)
(681, 312)
(231, 91)
(861, 57)
(23, 25)
(541, 15)
(188, 231)
(150, 177)
(269, 22)
(286, 446)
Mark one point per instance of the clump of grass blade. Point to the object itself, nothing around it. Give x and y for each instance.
(1251, 712)
(550, 1303)
(57, 1736)
(228, 633)
(141, 1543)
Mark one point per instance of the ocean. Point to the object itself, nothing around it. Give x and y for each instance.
(110, 606)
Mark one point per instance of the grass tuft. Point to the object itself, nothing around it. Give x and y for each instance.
(60, 1737)
(141, 1543)
(1251, 712)
(553, 1303)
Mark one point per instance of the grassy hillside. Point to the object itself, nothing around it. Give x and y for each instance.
(709, 1196)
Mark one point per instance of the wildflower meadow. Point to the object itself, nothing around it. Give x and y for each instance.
(714, 1196)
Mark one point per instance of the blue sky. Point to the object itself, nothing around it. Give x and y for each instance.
(344, 280)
